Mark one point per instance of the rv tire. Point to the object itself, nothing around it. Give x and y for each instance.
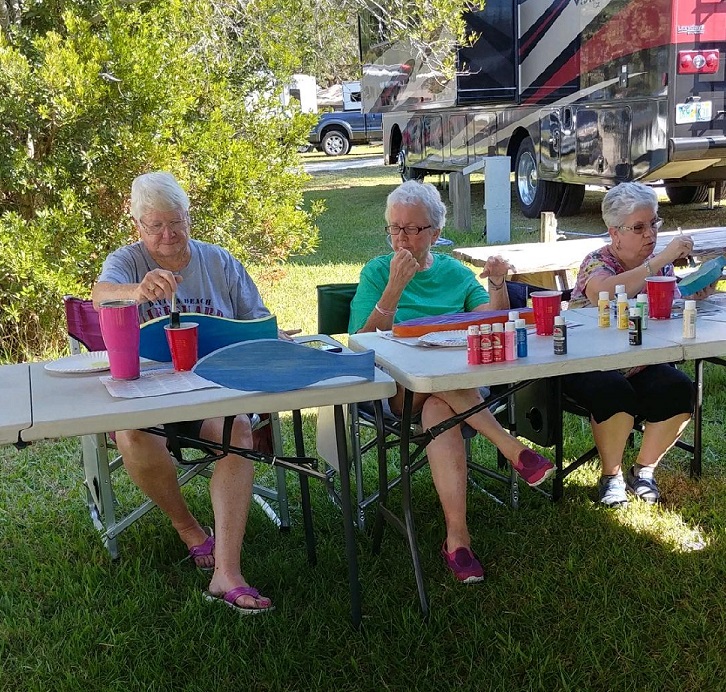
(686, 194)
(408, 172)
(572, 197)
(534, 195)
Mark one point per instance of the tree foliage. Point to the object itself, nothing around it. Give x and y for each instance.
(94, 93)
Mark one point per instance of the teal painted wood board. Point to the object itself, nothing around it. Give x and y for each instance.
(214, 333)
(273, 365)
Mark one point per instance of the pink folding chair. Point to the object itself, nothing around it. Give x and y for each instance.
(100, 459)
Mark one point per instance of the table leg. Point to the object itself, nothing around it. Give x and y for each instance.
(558, 481)
(379, 525)
(305, 502)
(410, 527)
(347, 511)
(698, 422)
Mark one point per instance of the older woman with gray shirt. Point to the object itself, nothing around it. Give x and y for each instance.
(208, 280)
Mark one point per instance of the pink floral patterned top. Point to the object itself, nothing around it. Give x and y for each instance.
(602, 262)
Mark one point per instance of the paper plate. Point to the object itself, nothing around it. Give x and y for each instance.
(450, 339)
(92, 361)
(703, 277)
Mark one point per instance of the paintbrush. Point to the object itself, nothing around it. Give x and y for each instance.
(691, 261)
(174, 321)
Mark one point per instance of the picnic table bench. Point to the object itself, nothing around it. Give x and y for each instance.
(546, 264)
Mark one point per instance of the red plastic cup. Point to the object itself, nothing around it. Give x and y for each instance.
(546, 306)
(182, 342)
(119, 321)
(660, 291)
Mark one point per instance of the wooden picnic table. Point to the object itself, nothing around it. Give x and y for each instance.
(544, 262)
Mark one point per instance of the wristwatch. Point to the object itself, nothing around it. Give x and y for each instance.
(646, 264)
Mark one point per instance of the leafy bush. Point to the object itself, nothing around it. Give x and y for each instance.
(94, 94)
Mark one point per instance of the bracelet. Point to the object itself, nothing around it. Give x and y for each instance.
(496, 286)
(385, 313)
(646, 264)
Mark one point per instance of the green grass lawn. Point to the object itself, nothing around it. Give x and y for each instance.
(577, 597)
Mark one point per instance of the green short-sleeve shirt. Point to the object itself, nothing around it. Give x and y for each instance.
(445, 288)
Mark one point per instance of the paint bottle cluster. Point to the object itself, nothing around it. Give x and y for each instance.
(630, 314)
(497, 343)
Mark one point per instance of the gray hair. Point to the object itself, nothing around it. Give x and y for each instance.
(624, 199)
(413, 192)
(158, 191)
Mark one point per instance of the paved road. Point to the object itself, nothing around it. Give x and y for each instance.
(337, 165)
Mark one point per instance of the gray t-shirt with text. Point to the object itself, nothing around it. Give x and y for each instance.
(213, 283)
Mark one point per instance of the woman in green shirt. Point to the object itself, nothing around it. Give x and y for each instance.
(412, 282)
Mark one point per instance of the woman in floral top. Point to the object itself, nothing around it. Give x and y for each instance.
(661, 394)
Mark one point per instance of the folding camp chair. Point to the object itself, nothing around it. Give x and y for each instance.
(101, 461)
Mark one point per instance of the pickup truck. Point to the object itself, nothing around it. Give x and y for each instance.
(336, 132)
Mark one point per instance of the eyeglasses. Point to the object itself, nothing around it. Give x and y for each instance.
(178, 226)
(408, 230)
(639, 228)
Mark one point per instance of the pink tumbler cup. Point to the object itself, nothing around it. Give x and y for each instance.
(546, 306)
(660, 296)
(120, 330)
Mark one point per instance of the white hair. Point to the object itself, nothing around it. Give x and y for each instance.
(158, 191)
(624, 199)
(413, 192)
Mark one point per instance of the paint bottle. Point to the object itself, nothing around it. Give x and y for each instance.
(510, 342)
(473, 345)
(487, 354)
(635, 327)
(620, 288)
(497, 342)
(603, 309)
(622, 311)
(689, 319)
(642, 303)
(513, 316)
(521, 328)
(560, 336)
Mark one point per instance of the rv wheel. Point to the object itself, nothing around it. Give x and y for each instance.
(407, 172)
(534, 195)
(686, 194)
(571, 202)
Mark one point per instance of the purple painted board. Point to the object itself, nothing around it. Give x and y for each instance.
(273, 365)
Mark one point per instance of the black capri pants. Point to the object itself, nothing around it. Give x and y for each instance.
(656, 393)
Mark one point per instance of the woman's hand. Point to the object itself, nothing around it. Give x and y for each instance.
(679, 248)
(287, 334)
(496, 268)
(156, 285)
(704, 292)
(403, 268)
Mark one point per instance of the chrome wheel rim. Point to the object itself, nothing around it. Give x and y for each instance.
(527, 178)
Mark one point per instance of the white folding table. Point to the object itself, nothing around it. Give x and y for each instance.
(429, 370)
(15, 406)
(72, 405)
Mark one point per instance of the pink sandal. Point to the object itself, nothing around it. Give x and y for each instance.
(230, 600)
(204, 550)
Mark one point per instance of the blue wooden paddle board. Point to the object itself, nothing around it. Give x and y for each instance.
(214, 332)
(273, 365)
